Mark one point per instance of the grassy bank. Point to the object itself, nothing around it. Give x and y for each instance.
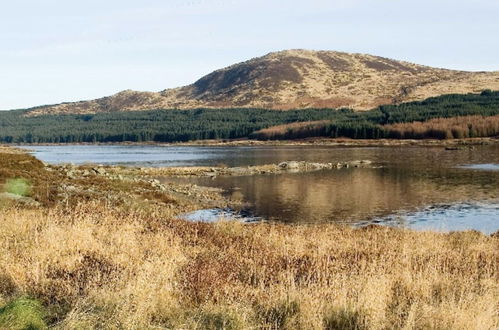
(127, 262)
(93, 266)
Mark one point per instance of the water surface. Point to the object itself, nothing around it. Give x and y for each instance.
(484, 167)
(412, 182)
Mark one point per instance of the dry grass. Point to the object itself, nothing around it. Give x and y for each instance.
(95, 266)
(10, 150)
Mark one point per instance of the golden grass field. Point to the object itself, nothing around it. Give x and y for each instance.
(104, 265)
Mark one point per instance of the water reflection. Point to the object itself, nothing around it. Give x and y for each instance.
(350, 195)
(411, 177)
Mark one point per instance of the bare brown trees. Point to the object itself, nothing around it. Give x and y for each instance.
(446, 128)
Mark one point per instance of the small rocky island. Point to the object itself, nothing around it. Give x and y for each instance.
(280, 168)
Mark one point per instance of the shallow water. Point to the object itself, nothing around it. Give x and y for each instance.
(218, 214)
(479, 216)
(409, 182)
(483, 167)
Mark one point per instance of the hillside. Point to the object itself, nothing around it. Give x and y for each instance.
(297, 79)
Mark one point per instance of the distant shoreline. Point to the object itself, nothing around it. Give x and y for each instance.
(337, 142)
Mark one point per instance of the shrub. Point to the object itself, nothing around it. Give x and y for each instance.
(18, 186)
(22, 313)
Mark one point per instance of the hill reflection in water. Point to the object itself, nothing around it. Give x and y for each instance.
(350, 195)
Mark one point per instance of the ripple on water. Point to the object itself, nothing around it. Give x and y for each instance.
(218, 214)
(483, 167)
(479, 216)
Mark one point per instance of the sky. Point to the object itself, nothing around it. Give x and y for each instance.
(54, 51)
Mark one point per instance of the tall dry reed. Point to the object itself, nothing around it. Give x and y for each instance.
(93, 266)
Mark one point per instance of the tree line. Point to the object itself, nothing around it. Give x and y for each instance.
(141, 126)
(201, 124)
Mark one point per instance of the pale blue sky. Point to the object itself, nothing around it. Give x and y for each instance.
(64, 50)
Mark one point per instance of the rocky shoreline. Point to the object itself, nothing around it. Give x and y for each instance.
(144, 185)
(188, 196)
(281, 168)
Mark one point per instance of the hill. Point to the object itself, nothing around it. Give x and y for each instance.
(295, 79)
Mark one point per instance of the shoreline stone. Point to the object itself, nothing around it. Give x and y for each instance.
(292, 166)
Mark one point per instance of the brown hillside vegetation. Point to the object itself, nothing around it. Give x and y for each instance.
(446, 128)
(295, 130)
(298, 79)
(438, 128)
(101, 263)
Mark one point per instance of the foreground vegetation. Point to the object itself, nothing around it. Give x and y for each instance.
(201, 124)
(91, 260)
(98, 267)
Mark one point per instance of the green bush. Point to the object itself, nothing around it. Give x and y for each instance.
(22, 313)
(19, 187)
